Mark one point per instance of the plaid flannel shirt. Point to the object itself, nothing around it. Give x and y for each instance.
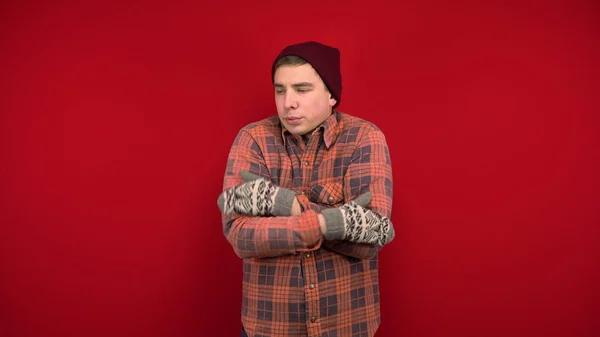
(295, 282)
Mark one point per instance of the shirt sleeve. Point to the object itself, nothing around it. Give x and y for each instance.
(260, 237)
(370, 170)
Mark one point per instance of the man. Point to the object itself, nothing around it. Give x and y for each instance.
(306, 203)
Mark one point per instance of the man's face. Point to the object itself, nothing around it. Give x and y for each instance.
(302, 100)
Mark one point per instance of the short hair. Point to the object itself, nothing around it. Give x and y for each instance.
(292, 60)
(289, 60)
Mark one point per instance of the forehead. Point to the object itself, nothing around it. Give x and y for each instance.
(290, 74)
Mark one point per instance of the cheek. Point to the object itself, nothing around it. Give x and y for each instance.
(322, 103)
(279, 102)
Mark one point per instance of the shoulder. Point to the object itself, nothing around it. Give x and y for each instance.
(357, 124)
(266, 127)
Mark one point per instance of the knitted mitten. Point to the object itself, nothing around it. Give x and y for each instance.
(257, 196)
(355, 223)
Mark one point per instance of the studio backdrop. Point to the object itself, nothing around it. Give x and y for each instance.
(116, 119)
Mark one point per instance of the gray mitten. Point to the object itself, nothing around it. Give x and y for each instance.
(355, 223)
(257, 196)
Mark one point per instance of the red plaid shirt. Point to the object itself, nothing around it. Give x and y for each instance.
(295, 282)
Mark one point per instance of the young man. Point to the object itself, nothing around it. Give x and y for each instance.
(306, 203)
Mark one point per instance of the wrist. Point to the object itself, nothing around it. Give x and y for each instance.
(322, 224)
(296, 209)
(333, 222)
(284, 202)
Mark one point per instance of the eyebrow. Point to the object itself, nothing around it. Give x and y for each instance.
(295, 85)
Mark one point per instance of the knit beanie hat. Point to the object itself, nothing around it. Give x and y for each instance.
(324, 59)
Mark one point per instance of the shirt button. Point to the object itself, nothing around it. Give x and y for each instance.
(313, 319)
(307, 255)
(312, 286)
(330, 199)
(306, 162)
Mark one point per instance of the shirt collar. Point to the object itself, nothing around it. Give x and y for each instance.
(330, 129)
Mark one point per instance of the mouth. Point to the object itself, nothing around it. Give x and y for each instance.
(293, 120)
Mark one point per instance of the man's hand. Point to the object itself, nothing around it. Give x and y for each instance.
(355, 223)
(258, 196)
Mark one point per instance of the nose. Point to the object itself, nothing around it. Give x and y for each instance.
(290, 101)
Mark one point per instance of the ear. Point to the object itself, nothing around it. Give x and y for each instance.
(332, 101)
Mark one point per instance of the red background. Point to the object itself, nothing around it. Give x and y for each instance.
(116, 119)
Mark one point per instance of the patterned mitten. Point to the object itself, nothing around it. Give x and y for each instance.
(355, 223)
(257, 196)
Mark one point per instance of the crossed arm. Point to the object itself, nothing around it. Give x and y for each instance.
(257, 237)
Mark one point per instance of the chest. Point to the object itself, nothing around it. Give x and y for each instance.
(310, 168)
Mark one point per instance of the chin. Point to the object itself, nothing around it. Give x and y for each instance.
(296, 132)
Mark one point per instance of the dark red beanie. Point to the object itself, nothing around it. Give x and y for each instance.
(324, 59)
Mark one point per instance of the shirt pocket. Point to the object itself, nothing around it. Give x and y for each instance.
(327, 195)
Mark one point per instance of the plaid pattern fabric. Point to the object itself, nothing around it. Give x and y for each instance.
(296, 283)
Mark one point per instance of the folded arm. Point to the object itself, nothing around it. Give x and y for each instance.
(258, 237)
(369, 171)
(351, 249)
